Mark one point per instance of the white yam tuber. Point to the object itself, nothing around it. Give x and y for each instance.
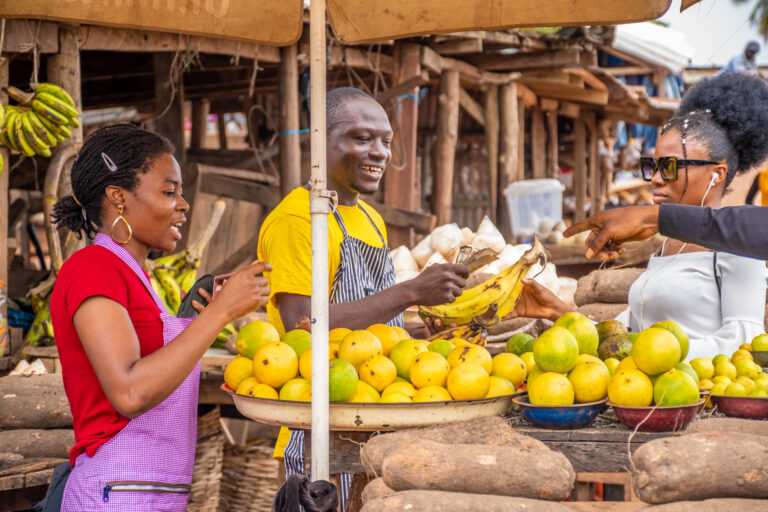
(435, 259)
(402, 259)
(446, 239)
(488, 235)
(405, 275)
(467, 236)
(423, 250)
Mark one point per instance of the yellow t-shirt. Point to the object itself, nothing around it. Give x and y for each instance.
(285, 243)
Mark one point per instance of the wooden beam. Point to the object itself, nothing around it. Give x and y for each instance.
(64, 70)
(222, 131)
(98, 38)
(569, 110)
(471, 107)
(4, 202)
(422, 223)
(290, 144)
(445, 152)
(548, 104)
(588, 78)
(594, 163)
(508, 150)
(360, 59)
(200, 111)
(492, 146)
(169, 101)
(530, 60)
(553, 150)
(403, 88)
(538, 144)
(241, 190)
(628, 70)
(527, 96)
(568, 93)
(580, 168)
(402, 189)
(459, 46)
(520, 141)
(623, 55)
(436, 64)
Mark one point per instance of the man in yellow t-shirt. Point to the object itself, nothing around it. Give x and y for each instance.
(361, 277)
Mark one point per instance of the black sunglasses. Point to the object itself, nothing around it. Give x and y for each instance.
(667, 166)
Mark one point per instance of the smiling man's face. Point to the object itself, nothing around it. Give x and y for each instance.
(358, 148)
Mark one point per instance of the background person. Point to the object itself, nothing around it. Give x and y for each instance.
(745, 62)
(717, 298)
(131, 371)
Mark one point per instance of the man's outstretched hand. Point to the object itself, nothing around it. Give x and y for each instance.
(611, 228)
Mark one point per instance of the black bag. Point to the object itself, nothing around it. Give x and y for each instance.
(55, 493)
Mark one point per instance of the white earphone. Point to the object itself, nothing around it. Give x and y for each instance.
(711, 183)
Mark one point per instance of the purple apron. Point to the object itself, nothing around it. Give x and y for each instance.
(148, 465)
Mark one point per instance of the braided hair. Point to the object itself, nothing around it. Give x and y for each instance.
(728, 115)
(114, 155)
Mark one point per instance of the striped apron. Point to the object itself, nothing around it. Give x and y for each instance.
(148, 465)
(363, 270)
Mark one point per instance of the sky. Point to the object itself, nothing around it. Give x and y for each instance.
(717, 29)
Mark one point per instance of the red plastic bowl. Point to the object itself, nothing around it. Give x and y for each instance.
(659, 419)
(750, 407)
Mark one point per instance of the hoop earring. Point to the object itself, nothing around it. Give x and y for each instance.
(119, 218)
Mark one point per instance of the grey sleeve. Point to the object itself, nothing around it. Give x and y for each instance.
(741, 230)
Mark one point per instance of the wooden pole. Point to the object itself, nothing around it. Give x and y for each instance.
(200, 110)
(445, 154)
(580, 167)
(492, 147)
(221, 128)
(538, 144)
(169, 100)
(520, 141)
(4, 202)
(290, 145)
(594, 164)
(64, 70)
(508, 151)
(553, 151)
(400, 187)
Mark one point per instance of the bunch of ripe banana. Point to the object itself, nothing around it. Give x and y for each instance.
(41, 119)
(41, 331)
(491, 300)
(473, 333)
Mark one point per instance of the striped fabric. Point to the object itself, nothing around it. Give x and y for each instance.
(155, 452)
(363, 271)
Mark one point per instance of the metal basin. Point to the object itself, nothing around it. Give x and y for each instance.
(750, 407)
(560, 416)
(657, 419)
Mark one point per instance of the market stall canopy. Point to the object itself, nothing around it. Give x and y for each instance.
(279, 23)
(261, 21)
(356, 21)
(655, 44)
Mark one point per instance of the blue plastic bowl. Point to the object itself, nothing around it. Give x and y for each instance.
(560, 416)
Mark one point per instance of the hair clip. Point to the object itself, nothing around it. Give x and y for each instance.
(109, 163)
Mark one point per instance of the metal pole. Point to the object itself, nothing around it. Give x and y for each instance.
(319, 209)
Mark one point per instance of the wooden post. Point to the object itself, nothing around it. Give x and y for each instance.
(200, 111)
(290, 145)
(64, 71)
(492, 146)
(400, 187)
(520, 141)
(221, 127)
(595, 190)
(580, 167)
(508, 151)
(445, 154)
(553, 151)
(538, 144)
(4, 200)
(171, 123)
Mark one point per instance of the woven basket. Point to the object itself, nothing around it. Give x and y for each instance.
(209, 457)
(249, 480)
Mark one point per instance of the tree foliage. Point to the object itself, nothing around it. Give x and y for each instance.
(758, 16)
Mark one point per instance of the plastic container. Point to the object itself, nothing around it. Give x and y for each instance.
(532, 202)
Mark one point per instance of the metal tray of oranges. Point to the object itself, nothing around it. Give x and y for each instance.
(370, 416)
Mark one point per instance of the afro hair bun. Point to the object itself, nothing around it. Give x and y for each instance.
(739, 103)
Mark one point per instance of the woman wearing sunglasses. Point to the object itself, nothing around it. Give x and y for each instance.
(717, 298)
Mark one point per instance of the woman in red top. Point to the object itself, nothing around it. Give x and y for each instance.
(130, 370)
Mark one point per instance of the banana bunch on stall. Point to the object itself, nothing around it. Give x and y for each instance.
(171, 274)
(40, 120)
(491, 300)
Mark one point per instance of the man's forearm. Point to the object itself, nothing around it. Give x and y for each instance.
(741, 230)
(378, 308)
